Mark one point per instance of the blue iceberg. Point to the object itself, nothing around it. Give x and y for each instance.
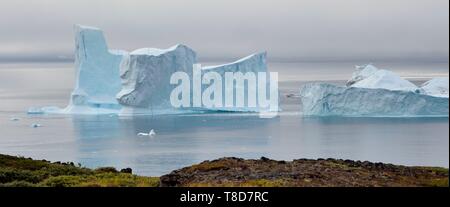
(137, 82)
(322, 99)
(376, 93)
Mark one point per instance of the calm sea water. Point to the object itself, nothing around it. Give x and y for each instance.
(183, 140)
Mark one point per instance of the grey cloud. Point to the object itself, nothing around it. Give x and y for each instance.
(288, 30)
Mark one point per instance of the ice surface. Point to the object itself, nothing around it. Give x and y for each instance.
(145, 75)
(321, 99)
(369, 76)
(361, 73)
(97, 73)
(253, 63)
(436, 87)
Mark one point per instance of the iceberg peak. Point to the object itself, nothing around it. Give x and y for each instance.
(436, 87)
(156, 51)
(368, 76)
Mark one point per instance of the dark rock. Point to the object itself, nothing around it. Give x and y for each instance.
(106, 170)
(126, 170)
(301, 172)
(265, 159)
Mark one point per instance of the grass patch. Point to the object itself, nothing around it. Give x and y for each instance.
(25, 172)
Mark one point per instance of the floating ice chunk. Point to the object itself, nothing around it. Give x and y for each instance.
(36, 125)
(369, 76)
(35, 110)
(321, 99)
(145, 75)
(43, 110)
(151, 133)
(436, 87)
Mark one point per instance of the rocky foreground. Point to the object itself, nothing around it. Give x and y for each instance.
(26, 172)
(303, 173)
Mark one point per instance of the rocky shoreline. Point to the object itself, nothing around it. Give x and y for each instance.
(265, 172)
(224, 172)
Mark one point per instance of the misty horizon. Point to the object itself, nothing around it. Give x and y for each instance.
(290, 31)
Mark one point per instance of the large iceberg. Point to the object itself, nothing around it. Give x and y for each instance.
(376, 93)
(145, 75)
(139, 82)
(322, 99)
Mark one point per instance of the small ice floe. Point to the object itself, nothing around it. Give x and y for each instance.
(151, 133)
(35, 125)
(14, 119)
(43, 110)
(291, 95)
(35, 110)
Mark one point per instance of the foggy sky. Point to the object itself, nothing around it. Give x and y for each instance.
(286, 29)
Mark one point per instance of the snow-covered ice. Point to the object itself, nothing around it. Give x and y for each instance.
(368, 76)
(436, 87)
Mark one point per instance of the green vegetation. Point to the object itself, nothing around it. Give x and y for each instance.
(25, 172)
(224, 172)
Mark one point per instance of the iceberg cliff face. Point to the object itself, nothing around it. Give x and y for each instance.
(145, 75)
(253, 64)
(368, 76)
(436, 87)
(97, 71)
(320, 99)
